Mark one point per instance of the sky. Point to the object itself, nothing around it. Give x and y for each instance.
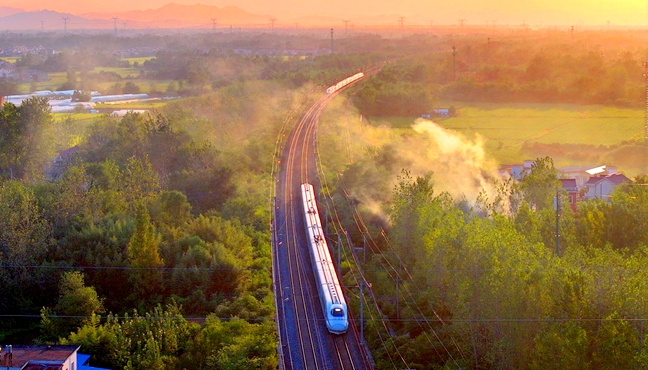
(475, 12)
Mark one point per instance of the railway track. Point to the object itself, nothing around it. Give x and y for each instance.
(305, 341)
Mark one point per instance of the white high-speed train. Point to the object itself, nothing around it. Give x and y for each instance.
(330, 292)
(344, 82)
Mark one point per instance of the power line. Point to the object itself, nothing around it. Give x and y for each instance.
(371, 319)
(196, 268)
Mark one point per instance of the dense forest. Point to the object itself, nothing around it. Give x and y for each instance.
(151, 247)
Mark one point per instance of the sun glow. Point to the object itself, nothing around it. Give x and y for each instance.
(616, 13)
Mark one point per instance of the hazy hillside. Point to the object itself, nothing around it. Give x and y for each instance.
(45, 19)
(5, 11)
(169, 16)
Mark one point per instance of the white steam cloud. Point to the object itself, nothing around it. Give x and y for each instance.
(460, 165)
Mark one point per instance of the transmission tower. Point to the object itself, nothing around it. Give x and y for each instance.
(401, 22)
(42, 22)
(213, 24)
(461, 22)
(65, 19)
(346, 24)
(272, 21)
(331, 40)
(115, 24)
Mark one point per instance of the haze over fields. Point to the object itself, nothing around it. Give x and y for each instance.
(535, 13)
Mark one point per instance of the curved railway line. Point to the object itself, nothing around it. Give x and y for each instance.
(305, 341)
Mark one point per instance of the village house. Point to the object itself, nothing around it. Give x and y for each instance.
(579, 183)
(60, 163)
(602, 186)
(569, 186)
(44, 357)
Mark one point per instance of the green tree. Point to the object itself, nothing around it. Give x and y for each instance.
(541, 184)
(561, 346)
(144, 257)
(614, 345)
(8, 88)
(138, 180)
(131, 88)
(81, 96)
(71, 83)
(76, 305)
(24, 242)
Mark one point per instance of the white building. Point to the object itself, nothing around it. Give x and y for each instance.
(602, 186)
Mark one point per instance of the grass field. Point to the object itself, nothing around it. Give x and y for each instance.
(56, 80)
(508, 129)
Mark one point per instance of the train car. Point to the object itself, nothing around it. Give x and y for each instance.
(346, 81)
(331, 298)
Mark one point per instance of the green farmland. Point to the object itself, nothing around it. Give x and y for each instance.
(570, 134)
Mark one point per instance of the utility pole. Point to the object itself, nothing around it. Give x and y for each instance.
(339, 255)
(346, 24)
(454, 62)
(398, 280)
(213, 24)
(361, 312)
(65, 19)
(558, 210)
(645, 65)
(488, 52)
(364, 248)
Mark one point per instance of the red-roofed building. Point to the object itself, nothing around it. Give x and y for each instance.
(570, 187)
(602, 187)
(42, 357)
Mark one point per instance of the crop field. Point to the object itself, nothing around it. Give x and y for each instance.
(148, 104)
(559, 124)
(508, 130)
(57, 79)
(139, 60)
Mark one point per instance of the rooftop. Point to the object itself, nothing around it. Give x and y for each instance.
(22, 354)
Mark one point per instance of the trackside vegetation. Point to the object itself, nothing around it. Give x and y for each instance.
(145, 238)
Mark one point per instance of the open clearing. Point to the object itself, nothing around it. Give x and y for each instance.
(506, 128)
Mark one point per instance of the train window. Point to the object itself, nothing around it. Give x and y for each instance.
(337, 312)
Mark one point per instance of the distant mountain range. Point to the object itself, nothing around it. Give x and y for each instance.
(196, 15)
(169, 16)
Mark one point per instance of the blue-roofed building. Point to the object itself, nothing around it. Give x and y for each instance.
(84, 361)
